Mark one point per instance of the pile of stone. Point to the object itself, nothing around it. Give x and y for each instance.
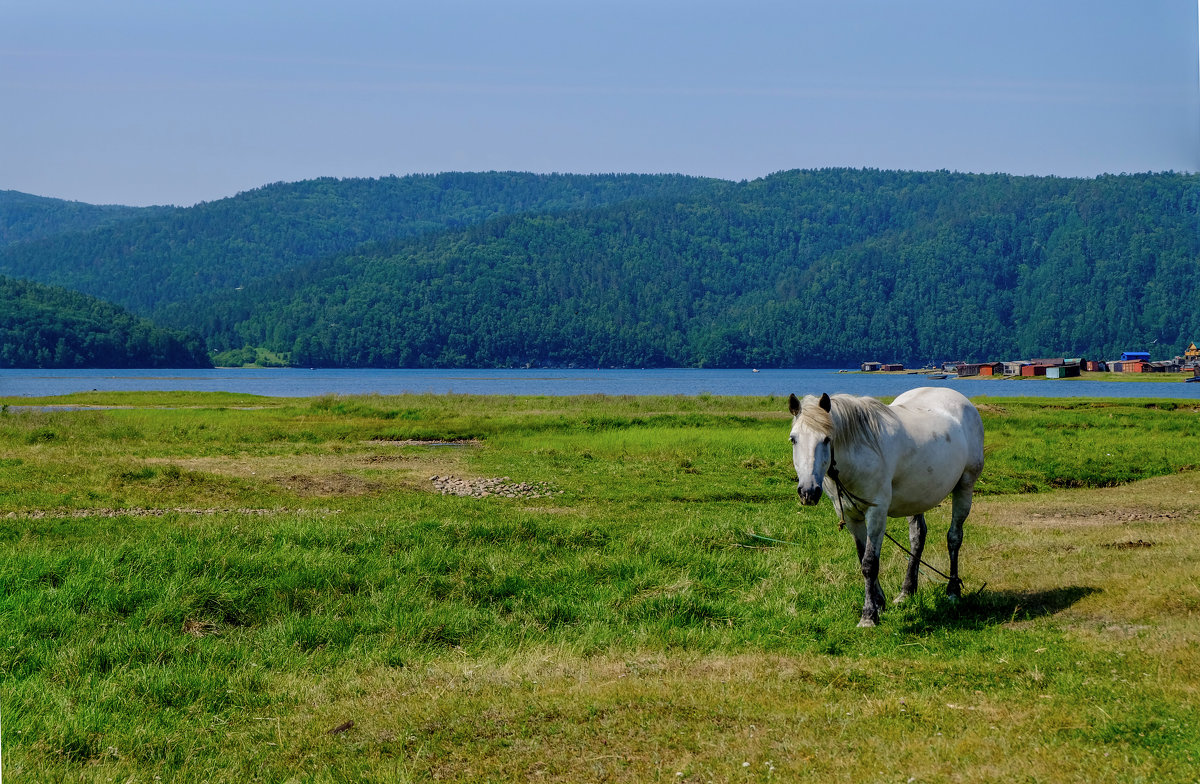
(499, 487)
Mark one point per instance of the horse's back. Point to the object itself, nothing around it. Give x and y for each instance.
(951, 401)
(946, 402)
(949, 412)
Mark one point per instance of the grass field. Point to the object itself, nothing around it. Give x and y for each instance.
(213, 587)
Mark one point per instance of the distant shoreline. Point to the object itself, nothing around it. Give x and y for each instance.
(1085, 375)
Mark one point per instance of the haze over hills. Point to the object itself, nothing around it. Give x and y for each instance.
(802, 268)
(24, 217)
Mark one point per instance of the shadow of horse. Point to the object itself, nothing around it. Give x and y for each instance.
(986, 608)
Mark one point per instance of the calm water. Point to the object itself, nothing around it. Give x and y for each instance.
(291, 382)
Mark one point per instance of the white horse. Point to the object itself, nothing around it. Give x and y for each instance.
(877, 461)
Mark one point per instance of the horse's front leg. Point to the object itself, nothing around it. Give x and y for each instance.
(868, 537)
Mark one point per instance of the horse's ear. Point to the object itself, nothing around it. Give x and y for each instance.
(824, 402)
(793, 404)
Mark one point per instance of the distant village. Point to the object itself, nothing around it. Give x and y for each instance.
(1130, 362)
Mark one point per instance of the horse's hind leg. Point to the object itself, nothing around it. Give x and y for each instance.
(916, 544)
(960, 508)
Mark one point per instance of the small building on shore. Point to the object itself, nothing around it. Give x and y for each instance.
(1013, 367)
(1062, 371)
(966, 370)
(991, 369)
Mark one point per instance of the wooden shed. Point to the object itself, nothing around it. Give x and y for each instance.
(1014, 368)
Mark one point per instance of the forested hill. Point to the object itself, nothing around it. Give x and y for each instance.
(50, 327)
(190, 256)
(24, 217)
(801, 268)
(797, 269)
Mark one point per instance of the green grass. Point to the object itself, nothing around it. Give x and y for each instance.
(201, 587)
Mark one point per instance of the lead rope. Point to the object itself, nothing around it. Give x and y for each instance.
(855, 500)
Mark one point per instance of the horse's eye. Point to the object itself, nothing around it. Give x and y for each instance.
(792, 439)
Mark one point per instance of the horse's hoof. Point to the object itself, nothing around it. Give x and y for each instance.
(866, 623)
(900, 599)
(953, 598)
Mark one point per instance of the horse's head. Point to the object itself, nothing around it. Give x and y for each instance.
(812, 450)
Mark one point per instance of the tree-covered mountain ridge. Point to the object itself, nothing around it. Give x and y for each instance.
(24, 217)
(51, 327)
(802, 268)
(187, 255)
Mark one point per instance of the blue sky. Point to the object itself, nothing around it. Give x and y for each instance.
(137, 102)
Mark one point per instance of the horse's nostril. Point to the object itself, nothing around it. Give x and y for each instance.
(809, 496)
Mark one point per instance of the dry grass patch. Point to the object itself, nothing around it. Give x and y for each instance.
(323, 475)
(465, 442)
(1133, 552)
(720, 718)
(1160, 499)
(335, 484)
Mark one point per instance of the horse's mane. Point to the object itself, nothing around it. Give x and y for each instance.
(850, 420)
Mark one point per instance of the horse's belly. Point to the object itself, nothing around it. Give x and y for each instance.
(914, 501)
(923, 484)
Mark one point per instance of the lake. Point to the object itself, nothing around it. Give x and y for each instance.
(295, 382)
